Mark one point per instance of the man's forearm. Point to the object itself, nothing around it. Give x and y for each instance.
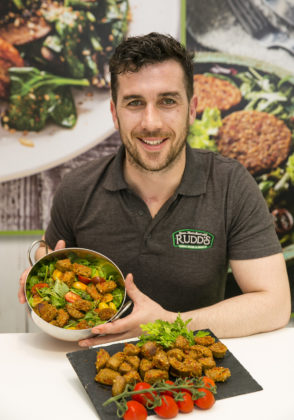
(242, 315)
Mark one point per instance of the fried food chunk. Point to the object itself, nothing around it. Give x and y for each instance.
(118, 386)
(124, 368)
(82, 270)
(101, 359)
(64, 265)
(68, 278)
(145, 365)
(181, 343)
(218, 373)
(218, 349)
(106, 313)
(176, 353)
(213, 92)
(189, 367)
(132, 376)
(115, 360)
(160, 360)
(74, 313)
(82, 305)
(47, 311)
(207, 340)
(106, 286)
(201, 351)
(207, 362)
(260, 141)
(149, 349)
(154, 375)
(106, 376)
(134, 361)
(82, 325)
(93, 292)
(62, 318)
(131, 349)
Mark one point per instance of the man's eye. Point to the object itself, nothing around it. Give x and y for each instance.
(168, 101)
(135, 102)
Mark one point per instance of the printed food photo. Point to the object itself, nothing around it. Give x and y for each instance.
(245, 111)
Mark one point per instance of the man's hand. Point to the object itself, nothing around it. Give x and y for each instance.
(145, 310)
(39, 253)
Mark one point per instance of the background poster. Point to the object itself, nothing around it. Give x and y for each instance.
(33, 162)
(247, 48)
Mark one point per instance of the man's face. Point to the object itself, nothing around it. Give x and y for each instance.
(153, 115)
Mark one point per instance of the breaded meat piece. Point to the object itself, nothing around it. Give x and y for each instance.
(213, 92)
(106, 376)
(218, 373)
(218, 350)
(47, 311)
(64, 265)
(258, 140)
(118, 386)
(82, 270)
(62, 318)
(93, 292)
(154, 375)
(106, 286)
(101, 359)
(82, 305)
(207, 340)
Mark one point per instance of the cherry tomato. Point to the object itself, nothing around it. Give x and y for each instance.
(145, 397)
(72, 297)
(187, 405)
(79, 285)
(38, 286)
(187, 389)
(83, 279)
(170, 393)
(135, 411)
(168, 408)
(206, 401)
(208, 382)
(98, 279)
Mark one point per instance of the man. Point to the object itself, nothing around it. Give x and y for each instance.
(172, 217)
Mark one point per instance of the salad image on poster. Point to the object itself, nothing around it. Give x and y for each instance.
(246, 111)
(49, 46)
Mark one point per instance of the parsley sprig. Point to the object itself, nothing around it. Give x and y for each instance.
(166, 333)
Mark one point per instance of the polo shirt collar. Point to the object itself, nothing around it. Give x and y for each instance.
(193, 181)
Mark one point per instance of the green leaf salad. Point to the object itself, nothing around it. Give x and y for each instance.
(73, 292)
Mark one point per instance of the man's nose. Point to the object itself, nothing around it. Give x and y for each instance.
(151, 119)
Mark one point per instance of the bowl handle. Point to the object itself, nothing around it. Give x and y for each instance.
(123, 310)
(40, 241)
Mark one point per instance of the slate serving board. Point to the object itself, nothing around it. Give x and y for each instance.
(83, 362)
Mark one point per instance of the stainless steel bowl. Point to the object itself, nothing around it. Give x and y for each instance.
(63, 333)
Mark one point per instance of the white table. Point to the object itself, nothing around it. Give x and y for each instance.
(38, 382)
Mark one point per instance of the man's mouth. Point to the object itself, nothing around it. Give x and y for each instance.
(152, 142)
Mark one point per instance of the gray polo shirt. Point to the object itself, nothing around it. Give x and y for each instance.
(180, 257)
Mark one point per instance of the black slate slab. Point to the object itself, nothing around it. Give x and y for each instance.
(83, 362)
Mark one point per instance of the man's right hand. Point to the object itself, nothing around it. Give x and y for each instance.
(41, 251)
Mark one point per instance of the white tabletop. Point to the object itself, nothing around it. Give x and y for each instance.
(38, 382)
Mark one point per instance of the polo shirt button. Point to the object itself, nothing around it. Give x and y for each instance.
(140, 212)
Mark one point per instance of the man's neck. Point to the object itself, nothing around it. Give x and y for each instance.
(154, 187)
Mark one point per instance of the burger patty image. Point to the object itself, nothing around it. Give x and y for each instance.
(213, 92)
(258, 140)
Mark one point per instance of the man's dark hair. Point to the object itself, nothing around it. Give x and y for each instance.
(138, 51)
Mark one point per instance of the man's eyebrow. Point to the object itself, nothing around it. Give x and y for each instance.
(174, 94)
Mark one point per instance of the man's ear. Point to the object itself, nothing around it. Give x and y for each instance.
(113, 113)
(193, 106)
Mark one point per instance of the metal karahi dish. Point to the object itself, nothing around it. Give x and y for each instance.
(71, 290)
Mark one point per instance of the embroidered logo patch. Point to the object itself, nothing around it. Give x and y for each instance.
(192, 239)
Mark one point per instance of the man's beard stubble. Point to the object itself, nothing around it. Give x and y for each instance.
(174, 154)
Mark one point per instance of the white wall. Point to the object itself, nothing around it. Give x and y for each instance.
(13, 260)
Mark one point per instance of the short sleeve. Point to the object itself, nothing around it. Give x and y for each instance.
(251, 231)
